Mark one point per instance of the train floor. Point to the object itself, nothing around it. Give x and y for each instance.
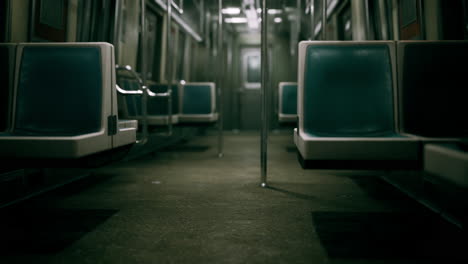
(186, 205)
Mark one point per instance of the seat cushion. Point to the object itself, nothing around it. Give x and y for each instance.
(197, 99)
(348, 91)
(59, 91)
(288, 99)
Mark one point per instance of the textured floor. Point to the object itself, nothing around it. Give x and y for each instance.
(185, 205)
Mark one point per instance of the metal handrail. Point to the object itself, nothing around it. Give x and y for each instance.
(142, 87)
(141, 91)
(126, 92)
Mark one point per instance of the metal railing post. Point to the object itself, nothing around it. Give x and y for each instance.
(324, 20)
(264, 129)
(144, 99)
(169, 65)
(117, 30)
(220, 80)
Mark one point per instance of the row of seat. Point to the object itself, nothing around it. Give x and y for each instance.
(383, 104)
(61, 101)
(193, 102)
(287, 102)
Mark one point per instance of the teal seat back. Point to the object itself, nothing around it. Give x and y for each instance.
(289, 99)
(59, 91)
(158, 106)
(348, 90)
(433, 88)
(197, 99)
(7, 53)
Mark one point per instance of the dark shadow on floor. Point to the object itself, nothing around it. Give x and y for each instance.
(293, 194)
(94, 179)
(389, 235)
(378, 189)
(27, 231)
(291, 149)
(186, 148)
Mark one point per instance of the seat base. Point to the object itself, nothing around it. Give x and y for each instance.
(358, 164)
(448, 162)
(13, 146)
(358, 153)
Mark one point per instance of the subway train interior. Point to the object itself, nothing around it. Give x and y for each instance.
(233, 131)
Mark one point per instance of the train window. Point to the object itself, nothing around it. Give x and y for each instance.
(452, 20)
(251, 68)
(49, 20)
(172, 56)
(410, 20)
(153, 45)
(95, 20)
(180, 56)
(345, 31)
(188, 58)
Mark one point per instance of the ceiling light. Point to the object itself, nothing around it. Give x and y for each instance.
(231, 11)
(271, 11)
(278, 20)
(236, 20)
(275, 11)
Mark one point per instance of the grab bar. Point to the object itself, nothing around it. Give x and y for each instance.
(141, 91)
(145, 91)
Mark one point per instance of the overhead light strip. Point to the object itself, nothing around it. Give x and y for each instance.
(231, 11)
(235, 20)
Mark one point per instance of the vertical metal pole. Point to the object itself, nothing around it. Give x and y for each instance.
(384, 20)
(312, 19)
(220, 80)
(367, 11)
(169, 64)
(117, 30)
(264, 130)
(324, 20)
(359, 20)
(422, 18)
(144, 99)
(396, 19)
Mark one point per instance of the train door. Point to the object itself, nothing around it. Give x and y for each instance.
(250, 91)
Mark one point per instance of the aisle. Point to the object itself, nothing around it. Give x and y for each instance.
(185, 205)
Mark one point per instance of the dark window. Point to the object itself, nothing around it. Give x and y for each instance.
(96, 21)
(180, 57)
(345, 29)
(253, 69)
